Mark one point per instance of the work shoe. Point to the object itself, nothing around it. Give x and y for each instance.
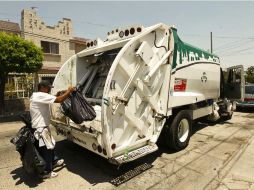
(58, 163)
(49, 175)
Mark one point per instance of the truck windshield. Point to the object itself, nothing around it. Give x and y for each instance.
(249, 89)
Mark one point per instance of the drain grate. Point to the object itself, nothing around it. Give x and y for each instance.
(130, 174)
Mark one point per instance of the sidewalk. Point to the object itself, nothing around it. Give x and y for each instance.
(10, 126)
(241, 174)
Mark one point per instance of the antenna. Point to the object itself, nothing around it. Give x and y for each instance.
(211, 38)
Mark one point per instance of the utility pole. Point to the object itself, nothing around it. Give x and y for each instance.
(211, 35)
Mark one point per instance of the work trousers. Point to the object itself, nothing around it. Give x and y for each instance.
(48, 155)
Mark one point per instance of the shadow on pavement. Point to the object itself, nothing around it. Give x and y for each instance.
(202, 123)
(92, 167)
(245, 110)
(31, 181)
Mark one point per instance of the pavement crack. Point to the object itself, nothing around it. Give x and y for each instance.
(235, 156)
(198, 157)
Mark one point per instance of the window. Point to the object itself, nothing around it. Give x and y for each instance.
(249, 89)
(68, 30)
(35, 23)
(50, 47)
(49, 79)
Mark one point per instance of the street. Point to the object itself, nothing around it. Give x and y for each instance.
(218, 157)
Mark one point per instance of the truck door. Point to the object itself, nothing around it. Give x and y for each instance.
(234, 83)
(136, 89)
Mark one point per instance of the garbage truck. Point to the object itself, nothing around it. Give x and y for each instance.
(144, 84)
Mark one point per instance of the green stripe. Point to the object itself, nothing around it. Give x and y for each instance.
(184, 50)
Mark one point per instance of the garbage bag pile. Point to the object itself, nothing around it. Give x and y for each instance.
(20, 140)
(77, 108)
(31, 159)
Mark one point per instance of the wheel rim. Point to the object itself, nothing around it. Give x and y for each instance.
(183, 130)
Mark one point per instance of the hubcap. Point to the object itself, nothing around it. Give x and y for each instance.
(183, 130)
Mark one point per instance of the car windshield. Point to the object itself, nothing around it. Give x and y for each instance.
(249, 89)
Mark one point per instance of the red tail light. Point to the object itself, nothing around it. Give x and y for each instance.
(248, 99)
(113, 146)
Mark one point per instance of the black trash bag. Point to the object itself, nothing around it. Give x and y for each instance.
(21, 139)
(26, 118)
(77, 108)
(32, 161)
(24, 141)
(23, 135)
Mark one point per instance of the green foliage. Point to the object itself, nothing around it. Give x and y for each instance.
(19, 55)
(249, 77)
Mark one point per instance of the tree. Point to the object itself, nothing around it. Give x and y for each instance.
(249, 77)
(17, 55)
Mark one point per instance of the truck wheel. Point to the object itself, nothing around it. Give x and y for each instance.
(228, 117)
(179, 130)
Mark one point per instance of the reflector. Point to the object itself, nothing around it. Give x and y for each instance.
(121, 34)
(113, 146)
(126, 32)
(132, 31)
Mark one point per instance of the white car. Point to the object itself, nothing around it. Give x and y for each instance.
(248, 98)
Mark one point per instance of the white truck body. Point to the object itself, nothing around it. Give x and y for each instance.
(135, 80)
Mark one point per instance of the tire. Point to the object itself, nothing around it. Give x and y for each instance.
(239, 109)
(228, 117)
(178, 130)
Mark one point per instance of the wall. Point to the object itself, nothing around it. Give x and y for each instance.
(33, 28)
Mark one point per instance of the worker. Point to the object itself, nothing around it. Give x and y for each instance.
(40, 117)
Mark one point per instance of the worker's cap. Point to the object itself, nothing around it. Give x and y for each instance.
(44, 83)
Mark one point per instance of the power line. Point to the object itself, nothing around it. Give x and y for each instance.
(234, 46)
(223, 49)
(59, 18)
(239, 51)
(108, 26)
(227, 44)
(221, 37)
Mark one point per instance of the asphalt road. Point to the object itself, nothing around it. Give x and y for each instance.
(202, 165)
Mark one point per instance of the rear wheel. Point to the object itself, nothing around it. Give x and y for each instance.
(178, 130)
(228, 117)
(238, 108)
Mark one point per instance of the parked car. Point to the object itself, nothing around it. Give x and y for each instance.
(248, 101)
